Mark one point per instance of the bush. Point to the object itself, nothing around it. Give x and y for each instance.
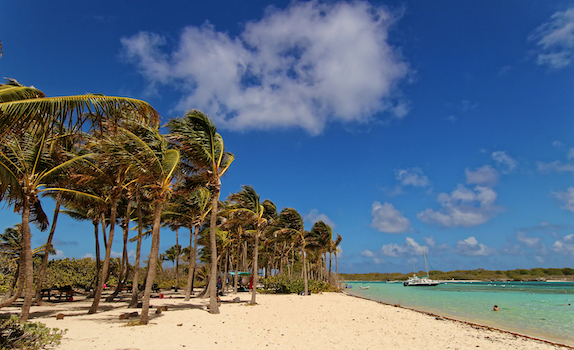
(285, 285)
(27, 335)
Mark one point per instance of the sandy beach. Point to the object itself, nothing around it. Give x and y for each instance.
(322, 321)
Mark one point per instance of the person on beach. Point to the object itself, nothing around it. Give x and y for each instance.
(495, 308)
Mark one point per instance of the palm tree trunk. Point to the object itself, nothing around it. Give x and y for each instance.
(212, 291)
(124, 262)
(44, 265)
(152, 264)
(192, 263)
(176, 259)
(305, 269)
(106, 265)
(255, 267)
(336, 271)
(26, 257)
(135, 283)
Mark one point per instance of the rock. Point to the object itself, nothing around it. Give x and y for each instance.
(59, 316)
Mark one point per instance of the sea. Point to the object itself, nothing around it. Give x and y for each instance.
(543, 310)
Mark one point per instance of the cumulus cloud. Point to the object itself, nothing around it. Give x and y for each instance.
(412, 176)
(388, 219)
(484, 176)
(555, 40)
(88, 255)
(409, 248)
(566, 198)
(463, 207)
(506, 162)
(471, 247)
(565, 245)
(304, 66)
(367, 253)
(315, 216)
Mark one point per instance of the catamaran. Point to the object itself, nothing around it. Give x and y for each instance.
(416, 281)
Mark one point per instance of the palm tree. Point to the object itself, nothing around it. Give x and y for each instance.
(147, 151)
(335, 249)
(25, 111)
(25, 169)
(247, 201)
(324, 235)
(290, 223)
(204, 153)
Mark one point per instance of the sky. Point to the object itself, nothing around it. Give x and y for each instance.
(405, 125)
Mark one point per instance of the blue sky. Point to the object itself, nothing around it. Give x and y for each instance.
(446, 125)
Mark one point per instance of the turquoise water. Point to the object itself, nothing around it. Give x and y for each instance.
(538, 309)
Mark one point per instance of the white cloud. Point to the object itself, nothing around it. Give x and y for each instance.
(570, 154)
(530, 242)
(566, 198)
(368, 253)
(388, 219)
(463, 207)
(59, 255)
(315, 216)
(409, 248)
(413, 177)
(556, 166)
(304, 66)
(555, 40)
(88, 255)
(484, 176)
(471, 247)
(565, 245)
(557, 144)
(505, 161)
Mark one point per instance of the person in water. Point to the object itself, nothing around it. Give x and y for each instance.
(495, 308)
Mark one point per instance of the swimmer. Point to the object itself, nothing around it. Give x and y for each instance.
(495, 308)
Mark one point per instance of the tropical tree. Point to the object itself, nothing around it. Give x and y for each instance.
(25, 111)
(196, 137)
(247, 201)
(25, 171)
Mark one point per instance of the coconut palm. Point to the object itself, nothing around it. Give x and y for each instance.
(247, 201)
(204, 154)
(290, 223)
(25, 170)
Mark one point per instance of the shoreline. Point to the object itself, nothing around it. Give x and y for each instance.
(287, 321)
(472, 324)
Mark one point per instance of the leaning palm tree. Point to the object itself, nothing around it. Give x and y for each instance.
(203, 151)
(247, 201)
(290, 224)
(25, 169)
(147, 152)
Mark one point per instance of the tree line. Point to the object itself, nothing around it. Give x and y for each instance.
(536, 274)
(105, 160)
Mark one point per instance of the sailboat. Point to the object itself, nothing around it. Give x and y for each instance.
(416, 281)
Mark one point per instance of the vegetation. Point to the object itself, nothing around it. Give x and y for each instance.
(537, 274)
(104, 159)
(285, 285)
(27, 335)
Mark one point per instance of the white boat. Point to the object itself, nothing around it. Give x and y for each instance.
(367, 287)
(416, 281)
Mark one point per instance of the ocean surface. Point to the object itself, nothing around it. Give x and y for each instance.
(537, 309)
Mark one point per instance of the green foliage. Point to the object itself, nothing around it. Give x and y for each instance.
(285, 285)
(27, 335)
(537, 274)
(71, 272)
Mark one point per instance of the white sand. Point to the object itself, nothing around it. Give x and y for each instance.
(323, 321)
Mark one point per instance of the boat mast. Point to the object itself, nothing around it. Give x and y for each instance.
(426, 266)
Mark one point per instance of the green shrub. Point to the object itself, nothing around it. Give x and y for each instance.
(27, 335)
(285, 285)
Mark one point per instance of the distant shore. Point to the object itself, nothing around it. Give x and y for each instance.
(319, 321)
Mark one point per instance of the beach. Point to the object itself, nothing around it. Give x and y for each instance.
(319, 321)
